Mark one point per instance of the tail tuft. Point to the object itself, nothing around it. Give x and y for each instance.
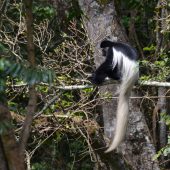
(123, 110)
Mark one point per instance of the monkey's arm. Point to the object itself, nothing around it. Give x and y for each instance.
(101, 73)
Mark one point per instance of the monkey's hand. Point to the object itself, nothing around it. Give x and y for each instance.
(92, 78)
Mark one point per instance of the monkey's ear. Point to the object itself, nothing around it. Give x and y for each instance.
(106, 43)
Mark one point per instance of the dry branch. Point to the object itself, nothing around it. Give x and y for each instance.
(154, 83)
(141, 83)
(85, 86)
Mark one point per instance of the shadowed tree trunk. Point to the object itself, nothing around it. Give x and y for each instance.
(11, 156)
(137, 150)
(3, 164)
(12, 151)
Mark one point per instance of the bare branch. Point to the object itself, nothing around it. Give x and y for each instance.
(47, 105)
(141, 83)
(154, 83)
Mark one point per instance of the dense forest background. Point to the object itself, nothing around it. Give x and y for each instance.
(50, 114)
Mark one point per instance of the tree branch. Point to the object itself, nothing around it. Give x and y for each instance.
(47, 105)
(140, 83)
(85, 86)
(154, 83)
(8, 142)
(32, 92)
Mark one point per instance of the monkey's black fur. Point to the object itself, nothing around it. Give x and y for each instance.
(106, 70)
(126, 49)
(120, 64)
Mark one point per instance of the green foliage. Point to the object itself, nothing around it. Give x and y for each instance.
(13, 106)
(134, 4)
(3, 50)
(43, 12)
(157, 68)
(2, 85)
(74, 12)
(141, 12)
(126, 21)
(14, 10)
(40, 166)
(150, 48)
(62, 150)
(165, 151)
(27, 74)
(166, 119)
(87, 91)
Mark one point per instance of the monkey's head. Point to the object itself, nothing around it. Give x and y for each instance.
(105, 45)
(104, 52)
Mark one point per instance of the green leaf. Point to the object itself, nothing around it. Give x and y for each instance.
(150, 48)
(27, 74)
(166, 151)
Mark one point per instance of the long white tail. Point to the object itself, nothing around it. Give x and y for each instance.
(130, 76)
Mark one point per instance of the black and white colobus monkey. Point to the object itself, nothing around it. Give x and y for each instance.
(120, 64)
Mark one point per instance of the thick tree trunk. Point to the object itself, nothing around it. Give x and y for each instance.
(12, 157)
(3, 164)
(32, 103)
(12, 152)
(137, 150)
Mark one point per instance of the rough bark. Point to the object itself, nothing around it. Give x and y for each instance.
(138, 148)
(101, 21)
(10, 148)
(3, 164)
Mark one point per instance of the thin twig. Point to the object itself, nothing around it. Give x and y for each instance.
(47, 105)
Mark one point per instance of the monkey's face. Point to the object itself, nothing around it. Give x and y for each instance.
(104, 53)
